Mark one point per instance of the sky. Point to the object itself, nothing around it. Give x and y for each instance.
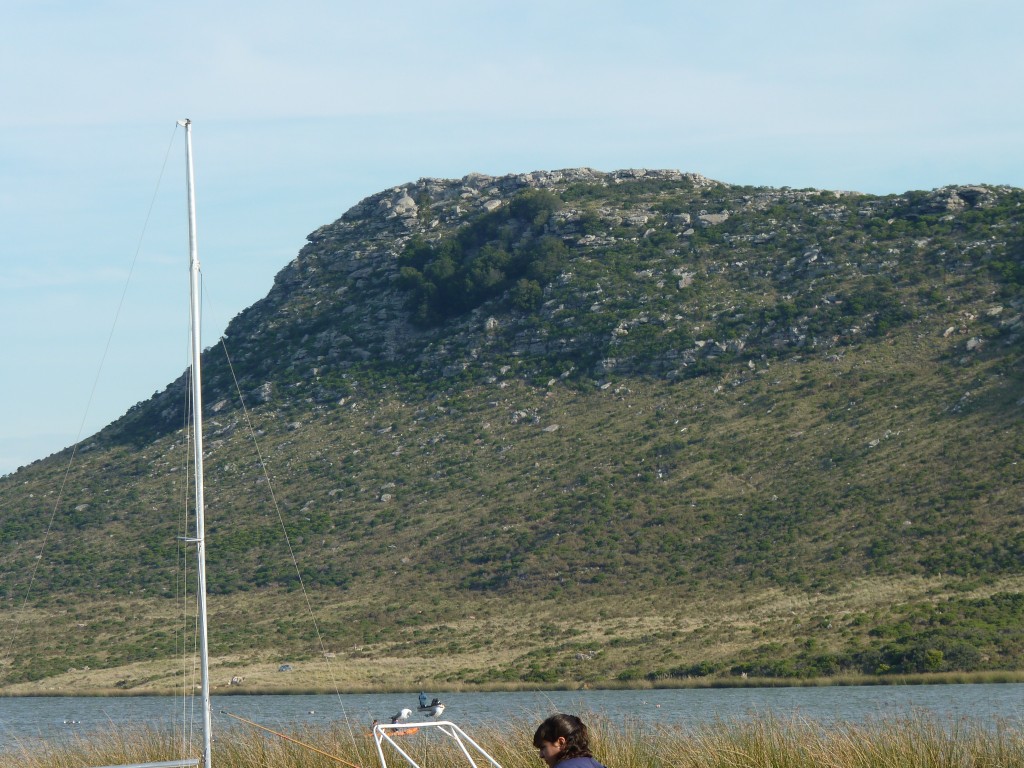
(301, 109)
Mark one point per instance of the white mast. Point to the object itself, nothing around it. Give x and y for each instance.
(197, 441)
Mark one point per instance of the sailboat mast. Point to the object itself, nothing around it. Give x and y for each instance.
(197, 441)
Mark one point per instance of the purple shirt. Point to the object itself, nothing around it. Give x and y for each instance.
(579, 762)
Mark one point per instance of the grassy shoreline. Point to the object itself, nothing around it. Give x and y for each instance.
(943, 678)
(657, 642)
(770, 742)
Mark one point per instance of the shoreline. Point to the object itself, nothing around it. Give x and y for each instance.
(942, 678)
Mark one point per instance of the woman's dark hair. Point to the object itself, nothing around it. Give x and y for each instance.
(570, 727)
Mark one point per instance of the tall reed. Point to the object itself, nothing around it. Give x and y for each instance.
(919, 741)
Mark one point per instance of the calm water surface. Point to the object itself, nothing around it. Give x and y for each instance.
(57, 718)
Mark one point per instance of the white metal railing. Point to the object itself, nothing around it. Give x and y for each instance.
(387, 733)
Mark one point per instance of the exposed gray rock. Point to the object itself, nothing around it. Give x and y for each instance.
(711, 219)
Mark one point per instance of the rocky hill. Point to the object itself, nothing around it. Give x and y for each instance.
(727, 430)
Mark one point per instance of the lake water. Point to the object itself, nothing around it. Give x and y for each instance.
(57, 718)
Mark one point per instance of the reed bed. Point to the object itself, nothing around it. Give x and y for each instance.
(913, 742)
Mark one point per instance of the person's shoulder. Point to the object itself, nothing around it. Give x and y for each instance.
(579, 762)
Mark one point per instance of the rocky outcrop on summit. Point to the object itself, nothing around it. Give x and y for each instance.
(661, 273)
(343, 283)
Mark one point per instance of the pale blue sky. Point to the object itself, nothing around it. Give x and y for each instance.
(302, 108)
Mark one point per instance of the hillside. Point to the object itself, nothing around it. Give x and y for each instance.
(571, 428)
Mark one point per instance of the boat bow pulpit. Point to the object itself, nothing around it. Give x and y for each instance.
(391, 736)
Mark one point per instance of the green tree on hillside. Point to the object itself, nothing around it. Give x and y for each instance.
(483, 260)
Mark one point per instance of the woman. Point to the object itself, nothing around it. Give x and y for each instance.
(563, 741)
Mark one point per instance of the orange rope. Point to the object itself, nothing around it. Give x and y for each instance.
(289, 738)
